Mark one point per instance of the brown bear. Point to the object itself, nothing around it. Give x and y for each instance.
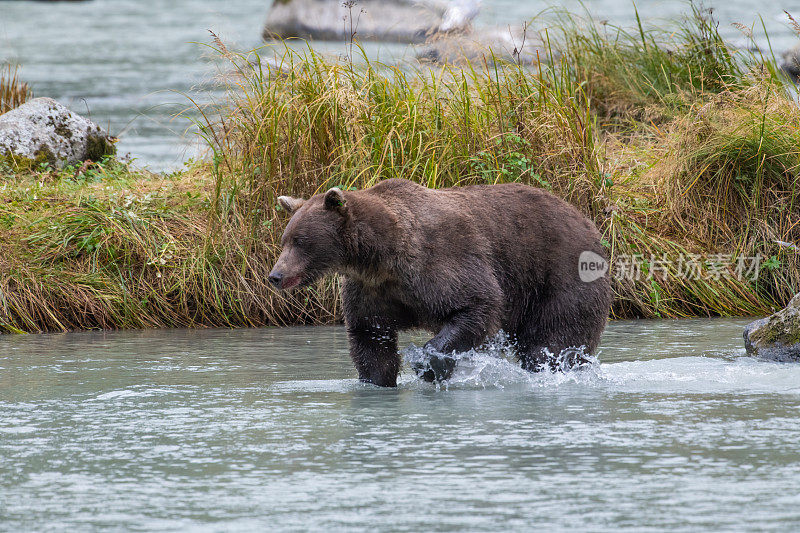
(463, 262)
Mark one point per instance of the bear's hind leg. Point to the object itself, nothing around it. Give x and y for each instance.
(554, 338)
(552, 357)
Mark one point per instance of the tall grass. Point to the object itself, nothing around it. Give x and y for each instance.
(638, 75)
(325, 123)
(674, 144)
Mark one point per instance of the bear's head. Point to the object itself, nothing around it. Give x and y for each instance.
(313, 243)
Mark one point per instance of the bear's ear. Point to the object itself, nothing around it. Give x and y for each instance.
(289, 204)
(335, 201)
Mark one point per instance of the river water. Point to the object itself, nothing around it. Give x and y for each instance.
(267, 429)
(132, 63)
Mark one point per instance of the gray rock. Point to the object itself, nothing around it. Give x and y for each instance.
(791, 62)
(776, 337)
(459, 14)
(44, 130)
(502, 44)
(402, 21)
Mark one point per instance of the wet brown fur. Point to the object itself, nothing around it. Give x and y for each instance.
(461, 262)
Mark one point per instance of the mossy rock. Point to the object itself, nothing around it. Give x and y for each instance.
(42, 130)
(99, 146)
(776, 337)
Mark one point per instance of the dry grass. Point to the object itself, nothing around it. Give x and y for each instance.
(13, 92)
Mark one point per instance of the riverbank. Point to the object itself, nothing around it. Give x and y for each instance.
(109, 246)
(683, 151)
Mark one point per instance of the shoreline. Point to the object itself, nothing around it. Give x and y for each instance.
(688, 176)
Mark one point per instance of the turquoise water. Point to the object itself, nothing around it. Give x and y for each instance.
(131, 63)
(267, 429)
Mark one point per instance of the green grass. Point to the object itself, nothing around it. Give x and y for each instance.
(674, 144)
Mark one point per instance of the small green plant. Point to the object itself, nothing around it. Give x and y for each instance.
(771, 263)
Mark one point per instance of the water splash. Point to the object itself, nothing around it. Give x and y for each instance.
(494, 365)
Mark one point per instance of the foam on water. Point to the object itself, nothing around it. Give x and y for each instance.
(135, 392)
(486, 370)
(317, 385)
(494, 366)
(702, 375)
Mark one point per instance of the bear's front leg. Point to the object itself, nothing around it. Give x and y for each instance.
(373, 349)
(464, 330)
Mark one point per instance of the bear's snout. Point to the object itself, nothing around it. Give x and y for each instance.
(275, 278)
(281, 281)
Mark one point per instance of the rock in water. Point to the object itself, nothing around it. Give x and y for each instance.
(43, 130)
(402, 21)
(791, 62)
(459, 15)
(776, 337)
(488, 44)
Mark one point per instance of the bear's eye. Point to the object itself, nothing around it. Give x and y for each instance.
(298, 241)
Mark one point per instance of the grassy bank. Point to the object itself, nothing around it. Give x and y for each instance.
(111, 247)
(675, 145)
